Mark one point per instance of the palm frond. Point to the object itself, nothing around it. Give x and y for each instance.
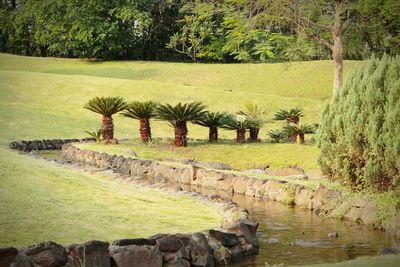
(140, 110)
(106, 106)
(252, 110)
(95, 133)
(238, 122)
(181, 112)
(288, 114)
(276, 135)
(295, 129)
(211, 119)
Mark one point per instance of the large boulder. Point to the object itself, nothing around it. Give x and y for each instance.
(303, 197)
(215, 165)
(240, 185)
(47, 254)
(132, 255)
(90, 254)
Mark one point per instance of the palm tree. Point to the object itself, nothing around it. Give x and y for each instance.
(254, 112)
(240, 123)
(212, 120)
(290, 116)
(142, 111)
(106, 106)
(292, 129)
(178, 116)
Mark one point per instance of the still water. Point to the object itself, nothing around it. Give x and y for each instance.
(295, 236)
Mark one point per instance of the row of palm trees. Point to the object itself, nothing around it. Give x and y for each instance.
(179, 115)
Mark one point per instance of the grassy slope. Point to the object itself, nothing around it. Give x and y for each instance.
(386, 261)
(42, 98)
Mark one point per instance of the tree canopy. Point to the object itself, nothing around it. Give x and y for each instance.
(198, 30)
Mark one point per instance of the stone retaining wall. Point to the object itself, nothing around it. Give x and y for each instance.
(45, 144)
(323, 201)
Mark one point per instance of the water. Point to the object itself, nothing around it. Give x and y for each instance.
(295, 236)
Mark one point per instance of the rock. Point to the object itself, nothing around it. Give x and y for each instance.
(47, 254)
(333, 235)
(303, 197)
(225, 238)
(7, 256)
(130, 152)
(240, 185)
(132, 255)
(21, 260)
(171, 243)
(241, 229)
(386, 251)
(200, 252)
(286, 172)
(90, 254)
(215, 165)
(134, 241)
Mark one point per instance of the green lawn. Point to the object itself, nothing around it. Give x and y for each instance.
(43, 98)
(240, 157)
(42, 202)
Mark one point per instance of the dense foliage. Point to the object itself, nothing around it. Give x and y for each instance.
(359, 134)
(230, 30)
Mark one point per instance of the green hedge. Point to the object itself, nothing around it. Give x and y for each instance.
(359, 135)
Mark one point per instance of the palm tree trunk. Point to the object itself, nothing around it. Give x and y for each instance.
(254, 134)
(107, 129)
(293, 120)
(145, 130)
(180, 134)
(213, 134)
(240, 136)
(300, 138)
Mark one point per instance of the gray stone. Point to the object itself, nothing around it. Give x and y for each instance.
(132, 255)
(214, 165)
(225, 238)
(90, 254)
(47, 254)
(333, 235)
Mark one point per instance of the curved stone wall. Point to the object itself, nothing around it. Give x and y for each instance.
(323, 201)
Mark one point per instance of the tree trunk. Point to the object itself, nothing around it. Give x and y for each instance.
(240, 136)
(145, 130)
(180, 134)
(300, 138)
(107, 130)
(254, 134)
(213, 134)
(292, 138)
(337, 48)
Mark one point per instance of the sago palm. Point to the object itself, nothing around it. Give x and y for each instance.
(254, 112)
(178, 116)
(106, 106)
(290, 116)
(292, 129)
(239, 123)
(212, 120)
(142, 111)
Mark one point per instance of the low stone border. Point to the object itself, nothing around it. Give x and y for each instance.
(45, 144)
(323, 201)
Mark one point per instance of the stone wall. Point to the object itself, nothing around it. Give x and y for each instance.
(46, 144)
(231, 242)
(323, 201)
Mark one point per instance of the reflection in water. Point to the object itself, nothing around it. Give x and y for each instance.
(294, 236)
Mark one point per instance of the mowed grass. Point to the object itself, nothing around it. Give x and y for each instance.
(41, 202)
(43, 98)
(240, 157)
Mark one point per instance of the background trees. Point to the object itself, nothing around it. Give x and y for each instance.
(226, 31)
